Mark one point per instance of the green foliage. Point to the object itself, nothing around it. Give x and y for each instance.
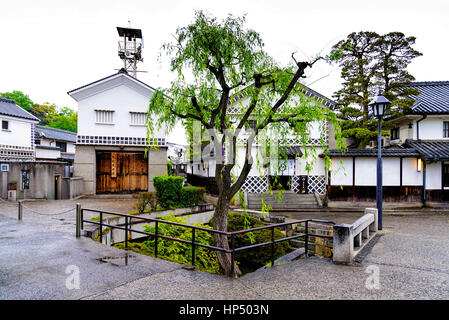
(171, 193)
(258, 257)
(228, 70)
(369, 62)
(191, 196)
(20, 98)
(169, 168)
(168, 190)
(138, 247)
(49, 115)
(67, 119)
(145, 199)
(205, 259)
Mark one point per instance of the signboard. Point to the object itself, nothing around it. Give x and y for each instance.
(113, 165)
(4, 167)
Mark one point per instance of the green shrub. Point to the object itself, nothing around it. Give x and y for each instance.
(252, 259)
(205, 259)
(171, 193)
(191, 196)
(168, 190)
(145, 199)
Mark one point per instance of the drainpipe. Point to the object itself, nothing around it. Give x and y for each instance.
(424, 183)
(417, 125)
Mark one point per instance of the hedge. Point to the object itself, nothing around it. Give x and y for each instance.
(171, 193)
(191, 196)
(168, 190)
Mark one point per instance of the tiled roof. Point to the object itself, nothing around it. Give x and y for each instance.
(10, 108)
(433, 99)
(304, 89)
(291, 152)
(55, 134)
(430, 149)
(390, 152)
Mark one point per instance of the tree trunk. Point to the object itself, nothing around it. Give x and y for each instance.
(221, 223)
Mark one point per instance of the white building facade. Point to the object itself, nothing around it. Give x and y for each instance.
(415, 156)
(289, 168)
(54, 144)
(113, 154)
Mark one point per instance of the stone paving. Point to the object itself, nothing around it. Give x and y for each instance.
(411, 256)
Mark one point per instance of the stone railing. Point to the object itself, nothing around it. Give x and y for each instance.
(350, 239)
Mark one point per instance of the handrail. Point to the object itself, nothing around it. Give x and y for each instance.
(232, 250)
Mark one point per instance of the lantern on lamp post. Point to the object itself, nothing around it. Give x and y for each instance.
(379, 107)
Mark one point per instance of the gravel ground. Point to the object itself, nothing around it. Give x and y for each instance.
(411, 257)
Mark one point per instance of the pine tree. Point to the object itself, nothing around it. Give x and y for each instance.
(370, 62)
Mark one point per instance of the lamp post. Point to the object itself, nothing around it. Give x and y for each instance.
(379, 106)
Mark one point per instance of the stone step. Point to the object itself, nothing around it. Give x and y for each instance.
(295, 254)
(259, 206)
(300, 244)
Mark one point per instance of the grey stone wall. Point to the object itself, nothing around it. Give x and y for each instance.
(42, 179)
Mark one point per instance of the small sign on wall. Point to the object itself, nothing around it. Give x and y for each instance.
(4, 167)
(113, 165)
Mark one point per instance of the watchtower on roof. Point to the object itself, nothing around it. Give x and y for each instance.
(130, 48)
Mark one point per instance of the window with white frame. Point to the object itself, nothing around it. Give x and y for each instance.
(138, 118)
(104, 116)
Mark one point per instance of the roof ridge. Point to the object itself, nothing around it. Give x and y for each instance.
(122, 71)
(7, 100)
(429, 83)
(56, 129)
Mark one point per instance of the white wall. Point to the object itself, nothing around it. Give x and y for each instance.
(430, 128)
(312, 159)
(341, 171)
(47, 154)
(70, 147)
(433, 176)
(366, 172)
(123, 100)
(410, 175)
(18, 133)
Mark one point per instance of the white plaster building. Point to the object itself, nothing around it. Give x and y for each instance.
(17, 131)
(415, 157)
(54, 144)
(112, 136)
(292, 175)
(24, 174)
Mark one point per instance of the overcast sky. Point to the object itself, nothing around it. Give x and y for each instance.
(51, 46)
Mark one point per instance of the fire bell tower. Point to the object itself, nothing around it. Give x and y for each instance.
(130, 48)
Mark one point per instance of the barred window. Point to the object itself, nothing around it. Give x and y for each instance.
(138, 118)
(445, 129)
(104, 116)
(395, 133)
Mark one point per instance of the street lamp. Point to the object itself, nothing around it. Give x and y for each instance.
(379, 106)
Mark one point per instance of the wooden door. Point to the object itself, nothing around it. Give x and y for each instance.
(121, 172)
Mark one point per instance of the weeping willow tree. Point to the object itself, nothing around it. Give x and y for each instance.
(224, 80)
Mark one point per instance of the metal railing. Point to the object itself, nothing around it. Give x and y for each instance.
(232, 250)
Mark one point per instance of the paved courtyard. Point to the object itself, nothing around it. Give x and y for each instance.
(38, 256)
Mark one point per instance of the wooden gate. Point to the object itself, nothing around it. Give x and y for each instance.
(121, 172)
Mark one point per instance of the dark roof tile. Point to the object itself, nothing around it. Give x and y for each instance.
(433, 97)
(10, 108)
(55, 134)
(436, 150)
(391, 152)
